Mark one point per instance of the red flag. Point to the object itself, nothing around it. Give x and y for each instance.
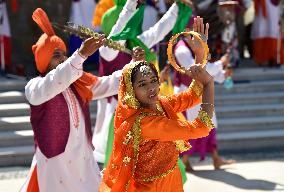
(14, 6)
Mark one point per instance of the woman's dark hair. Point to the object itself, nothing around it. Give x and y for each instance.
(137, 67)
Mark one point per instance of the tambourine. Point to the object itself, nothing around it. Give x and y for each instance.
(200, 37)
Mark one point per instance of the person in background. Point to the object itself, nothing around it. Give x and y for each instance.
(268, 47)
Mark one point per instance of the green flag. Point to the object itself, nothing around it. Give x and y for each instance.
(110, 17)
(184, 14)
(132, 29)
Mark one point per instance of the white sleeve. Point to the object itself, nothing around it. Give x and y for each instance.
(42, 89)
(216, 70)
(157, 33)
(129, 8)
(106, 86)
(220, 77)
(184, 56)
(127, 11)
(162, 6)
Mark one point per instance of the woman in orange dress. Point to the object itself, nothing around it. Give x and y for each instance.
(148, 134)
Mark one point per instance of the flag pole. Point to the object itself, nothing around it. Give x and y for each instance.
(1, 36)
(2, 53)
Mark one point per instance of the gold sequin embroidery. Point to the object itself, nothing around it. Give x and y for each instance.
(136, 142)
(160, 176)
(113, 166)
(181, 146)
(160, 108)
(196, 88)
(128, 138)
(126, 160)
(127, 185)
(204, 117)
(137, 133)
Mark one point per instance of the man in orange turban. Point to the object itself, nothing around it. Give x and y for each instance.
(60, 116)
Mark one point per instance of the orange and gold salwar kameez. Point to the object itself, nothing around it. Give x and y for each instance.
(147, 143)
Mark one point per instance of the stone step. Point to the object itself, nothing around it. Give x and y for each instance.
(258, 74)
(245, 141)
(16, 156)
(252, 87)
(255, 110)
(15, 109)
(12, 85)
(14, 123)
(12, 97)
(249, 98)
(23, 123)
(16, 138)
(250, 124)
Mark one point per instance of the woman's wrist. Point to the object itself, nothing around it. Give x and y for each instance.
(209, 83)
(199, 58)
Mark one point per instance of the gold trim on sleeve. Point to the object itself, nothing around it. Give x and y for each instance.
(204, 117)
(181, 146)
(196, 88)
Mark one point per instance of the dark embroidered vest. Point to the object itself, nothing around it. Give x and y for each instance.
(51, 124)
(108, 67)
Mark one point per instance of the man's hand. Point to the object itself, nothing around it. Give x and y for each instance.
(91, 45)
(165, 73)
(138, 54)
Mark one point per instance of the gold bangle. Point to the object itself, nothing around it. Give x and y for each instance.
(201, 38)
(212, 105)
(204, 117)
(81, 55)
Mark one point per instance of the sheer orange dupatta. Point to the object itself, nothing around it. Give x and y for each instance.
(118, 174)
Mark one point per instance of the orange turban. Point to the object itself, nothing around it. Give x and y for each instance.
(47, 43)
(43, 52)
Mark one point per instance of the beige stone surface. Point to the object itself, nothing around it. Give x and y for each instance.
(252, 176)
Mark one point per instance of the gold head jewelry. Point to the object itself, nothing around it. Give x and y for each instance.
(129, 97)
(85, 32)
(200, 37)
(145, 71)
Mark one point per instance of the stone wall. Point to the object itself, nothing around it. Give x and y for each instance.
(25, 32)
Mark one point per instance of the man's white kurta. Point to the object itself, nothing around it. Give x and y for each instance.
(76, 168)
